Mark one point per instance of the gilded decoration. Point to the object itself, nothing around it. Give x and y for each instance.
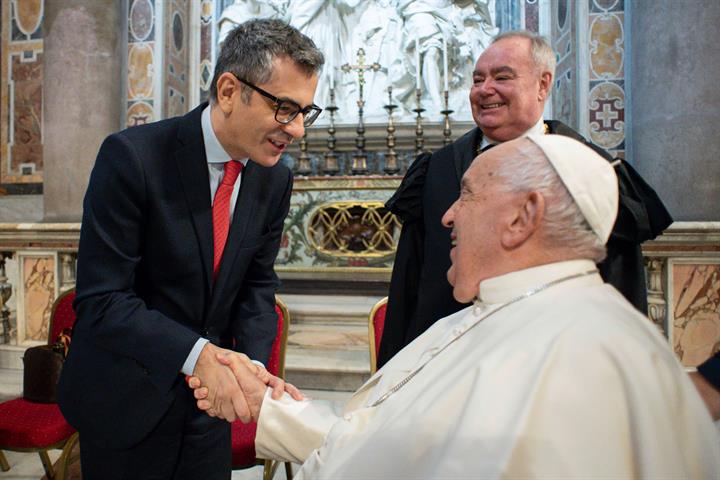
(339, 222)
(353, 229)
(696, 312)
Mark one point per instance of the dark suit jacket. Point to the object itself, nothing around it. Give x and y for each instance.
(419, 291)
(145, 292)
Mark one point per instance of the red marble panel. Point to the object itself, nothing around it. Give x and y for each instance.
(38, 276)
(695, 312)
(26, 78)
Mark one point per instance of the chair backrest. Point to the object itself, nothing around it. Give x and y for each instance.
(276, 363)
(376, 325)
(62, 315)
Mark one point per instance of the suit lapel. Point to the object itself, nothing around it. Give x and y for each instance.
(192, 166)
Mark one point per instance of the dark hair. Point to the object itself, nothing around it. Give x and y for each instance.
(250, 48)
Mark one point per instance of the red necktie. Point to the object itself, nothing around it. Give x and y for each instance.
(221, 211)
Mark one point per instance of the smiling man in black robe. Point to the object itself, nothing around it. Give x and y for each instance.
(511, 83)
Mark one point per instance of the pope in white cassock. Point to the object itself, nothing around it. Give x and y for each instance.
(549, 374)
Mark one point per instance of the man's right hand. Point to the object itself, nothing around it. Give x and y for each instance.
(247, 374)
(225, 397)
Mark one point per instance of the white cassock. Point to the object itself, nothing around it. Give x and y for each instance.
(569, 383)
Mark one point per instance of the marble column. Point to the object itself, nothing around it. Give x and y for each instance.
(675, 105)
(83, 91)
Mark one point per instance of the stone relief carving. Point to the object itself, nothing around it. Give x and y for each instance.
(389, 32)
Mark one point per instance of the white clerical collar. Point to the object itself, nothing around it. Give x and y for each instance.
(214, 152)
(538, 128)
(505, 287)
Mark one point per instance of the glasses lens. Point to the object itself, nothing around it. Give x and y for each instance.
(311, 116)
(285, 112)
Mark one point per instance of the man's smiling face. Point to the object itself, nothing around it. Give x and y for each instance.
(509, 91)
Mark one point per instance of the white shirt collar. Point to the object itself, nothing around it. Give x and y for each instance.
(505, 287)
(538, 128)
(214, 151)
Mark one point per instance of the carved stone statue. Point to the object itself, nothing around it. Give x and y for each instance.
(387, 31)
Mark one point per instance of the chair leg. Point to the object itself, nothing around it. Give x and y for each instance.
(47, 464)
(269, 468)
(66, 457)
(4, 465)
(288, 470)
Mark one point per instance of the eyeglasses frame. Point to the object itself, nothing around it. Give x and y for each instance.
(279, 101)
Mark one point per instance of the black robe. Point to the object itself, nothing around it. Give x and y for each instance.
(419, 291)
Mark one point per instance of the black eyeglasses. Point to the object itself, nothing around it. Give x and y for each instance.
(287, 110)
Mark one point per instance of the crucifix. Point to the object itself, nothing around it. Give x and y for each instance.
(359, 165)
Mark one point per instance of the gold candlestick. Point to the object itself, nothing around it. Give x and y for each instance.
(304, 160)
(419, 141)
(331, 165)
(359, 166)
(447, 132)
(391, 166)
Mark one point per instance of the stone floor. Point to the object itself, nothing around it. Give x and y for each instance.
(26, 466)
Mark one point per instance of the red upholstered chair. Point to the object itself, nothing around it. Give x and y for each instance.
(243, 436)
(376, 324)
(38, 427)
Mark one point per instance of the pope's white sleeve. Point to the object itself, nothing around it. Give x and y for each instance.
(289, 430)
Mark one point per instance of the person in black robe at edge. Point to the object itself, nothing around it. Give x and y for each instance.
(707, 381)
(511, 82)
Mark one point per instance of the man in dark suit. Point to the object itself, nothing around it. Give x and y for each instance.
(511, 82)
(181, 226)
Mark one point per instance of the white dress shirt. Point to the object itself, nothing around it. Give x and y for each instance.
(216, 158)
(538, 129)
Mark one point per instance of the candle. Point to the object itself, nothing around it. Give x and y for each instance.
(332, 78)
(445, 64)
(417, 64)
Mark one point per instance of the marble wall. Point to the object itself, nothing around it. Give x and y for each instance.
(207, 51)
(166, 75)
(38, 292)
(606, 72)
(21, 94)
(563, 36)
(142, 63)
(176, 78)
(694, 309)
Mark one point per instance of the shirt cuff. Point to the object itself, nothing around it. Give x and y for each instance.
(189, 366)
(258, 363)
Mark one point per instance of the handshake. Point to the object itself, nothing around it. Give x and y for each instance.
(228, 385)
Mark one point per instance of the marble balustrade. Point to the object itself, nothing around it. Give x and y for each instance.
(37, 262)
